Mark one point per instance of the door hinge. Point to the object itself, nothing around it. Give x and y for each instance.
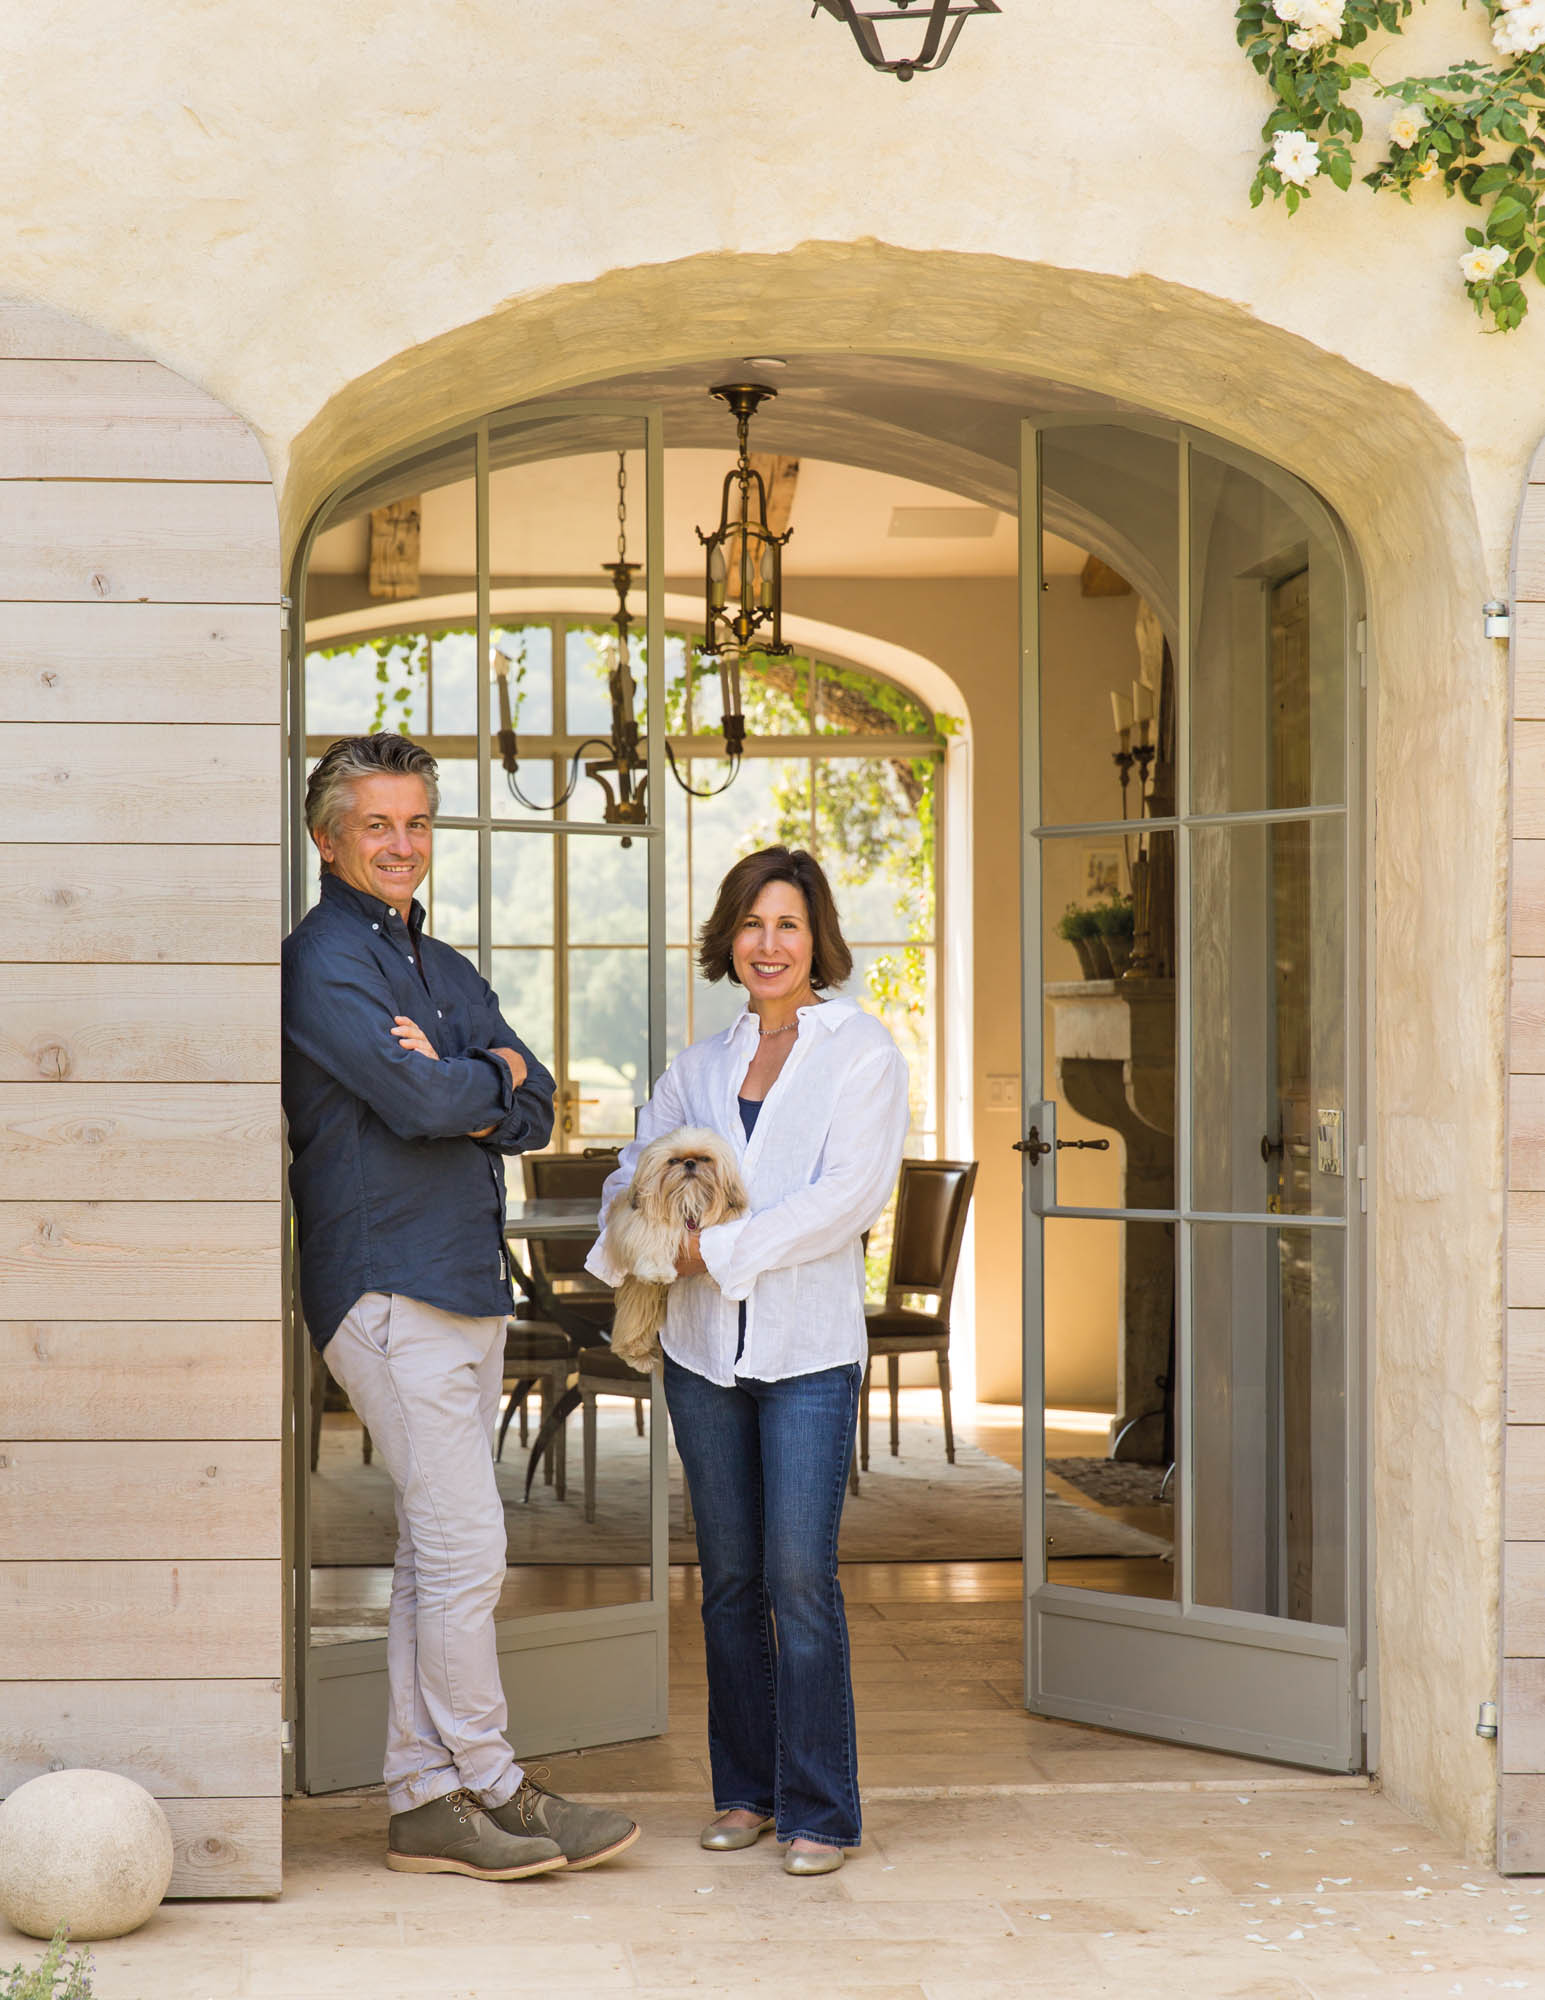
(1361, 640)
(287, 1736)
(1362, 1180)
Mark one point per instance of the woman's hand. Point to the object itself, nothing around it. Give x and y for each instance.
(412, 1036)
(690, 1263)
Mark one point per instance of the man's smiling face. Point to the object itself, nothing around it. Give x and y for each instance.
(383, 839)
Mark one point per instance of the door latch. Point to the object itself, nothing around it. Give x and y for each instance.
(1038, 1148)
(1084, 1145)
(1033, 1144)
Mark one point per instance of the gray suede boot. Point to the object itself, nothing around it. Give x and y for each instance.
(454, 1835)
(586, 1834)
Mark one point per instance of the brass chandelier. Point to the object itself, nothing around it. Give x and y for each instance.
(743, 548)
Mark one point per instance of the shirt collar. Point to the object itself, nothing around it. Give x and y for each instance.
(828, 1014)
(336, 890)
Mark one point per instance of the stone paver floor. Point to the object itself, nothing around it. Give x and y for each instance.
(1050, 1860)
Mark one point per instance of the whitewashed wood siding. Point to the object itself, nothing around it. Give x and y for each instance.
(141, 1361)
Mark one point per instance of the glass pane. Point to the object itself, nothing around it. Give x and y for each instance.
(1110, 509)
(589, 658)
(453, 681)
(897, 983)
(1109, 1297)
(1269, 1001)
(521, 683)
(774, 694)
(678, 901)
(875, 822)
(1268, 1412)
(608, 889)
(608, 1042)
(357, 686)
(849, 703)
(522, 885)
(714, 1007)
(1108, 911)
(1268, 661)
(678, 986)
(450, 889)
(523, 980)
(458, 787)
(768, 803)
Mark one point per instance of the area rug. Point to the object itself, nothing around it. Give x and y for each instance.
(915, 1508)
(1113, 1482)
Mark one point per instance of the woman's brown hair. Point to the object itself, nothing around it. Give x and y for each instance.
(830, 960)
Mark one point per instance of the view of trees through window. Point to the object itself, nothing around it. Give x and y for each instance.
(840, 761)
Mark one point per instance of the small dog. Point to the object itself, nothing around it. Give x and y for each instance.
(688, 1179)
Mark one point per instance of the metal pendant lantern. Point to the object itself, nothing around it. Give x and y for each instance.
(743, 568)
(903, 55)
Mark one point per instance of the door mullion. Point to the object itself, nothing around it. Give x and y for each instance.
(1184, 1483)
(1032, 1055)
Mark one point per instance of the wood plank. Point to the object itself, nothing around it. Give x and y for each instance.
(199, 783)
(140, 1142)
(179, 1739)
(1523, 1483)
(1521, 1826)
(1529, 780)
(90, 1621)
(1526, 1017)
(158, 905)
(139, 1502)
(1526, 1250)
(118, 420)
(34, 331)
(1528, 898)
(101, 663)
(80, 542)
(1528, 650)
(1529, 572)
(1523, 1715)
(1526, 1132)
(1526, 1367)
(1523, 1599)
(140, 1024)
(142, 1378)
(140, 1259)
(226, 1847)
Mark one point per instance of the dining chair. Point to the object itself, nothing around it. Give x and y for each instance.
(932, 1201)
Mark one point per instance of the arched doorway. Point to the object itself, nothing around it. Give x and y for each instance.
(1125, 493)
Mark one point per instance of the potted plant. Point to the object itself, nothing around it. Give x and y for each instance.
(1077, 927)
(1113, 922)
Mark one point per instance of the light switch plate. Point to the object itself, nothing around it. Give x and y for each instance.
(1003, 1093)
(1329, 1152)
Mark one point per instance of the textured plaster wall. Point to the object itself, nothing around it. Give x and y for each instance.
(351, 223)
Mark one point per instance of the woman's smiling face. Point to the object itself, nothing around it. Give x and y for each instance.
(773, 948)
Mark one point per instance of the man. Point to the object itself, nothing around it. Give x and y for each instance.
(403, 1086)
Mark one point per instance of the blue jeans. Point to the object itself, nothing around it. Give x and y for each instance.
(767, 1465)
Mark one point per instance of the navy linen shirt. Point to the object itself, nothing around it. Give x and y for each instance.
(390, 1193)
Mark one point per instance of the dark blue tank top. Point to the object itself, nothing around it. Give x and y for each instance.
(750, 1109)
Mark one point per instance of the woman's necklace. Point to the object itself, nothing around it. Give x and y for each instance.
(766, 1034)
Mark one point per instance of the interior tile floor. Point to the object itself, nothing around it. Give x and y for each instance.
(1003, 1855)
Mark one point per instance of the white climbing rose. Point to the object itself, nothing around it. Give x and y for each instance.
(1520, 28)
(1407, 125)
(1296, 157)
(1314, 22)
(1480, 264)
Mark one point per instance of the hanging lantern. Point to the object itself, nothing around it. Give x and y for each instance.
(905, 36)
(743, 566)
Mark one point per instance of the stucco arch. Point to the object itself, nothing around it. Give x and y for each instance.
(1398, 478)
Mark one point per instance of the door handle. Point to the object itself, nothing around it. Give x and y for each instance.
(1085, 1145)
(1271, 1149)
(1034, 1144)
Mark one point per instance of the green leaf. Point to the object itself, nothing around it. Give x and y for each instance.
(1339, 167)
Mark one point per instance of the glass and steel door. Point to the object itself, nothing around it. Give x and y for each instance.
(1192, 1037)
(563, 911)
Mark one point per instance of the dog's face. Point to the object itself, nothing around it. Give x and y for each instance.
(688, 1175)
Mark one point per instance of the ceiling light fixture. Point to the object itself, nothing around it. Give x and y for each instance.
(903, 54)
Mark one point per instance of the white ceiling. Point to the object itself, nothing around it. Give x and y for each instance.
(557, 517)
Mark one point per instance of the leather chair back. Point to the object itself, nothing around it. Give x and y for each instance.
(565, 1177)
(932, 1202)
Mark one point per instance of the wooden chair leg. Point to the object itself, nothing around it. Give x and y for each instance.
(638, 1415)
(893, 1373)
(524, 1439)
(589, 1402)
(318, 1397)
(863, 1419)
(549, 1457)
(366, 1448)
(688, 1524)
(853, 1472)
(944, 1398)
(560, 1450)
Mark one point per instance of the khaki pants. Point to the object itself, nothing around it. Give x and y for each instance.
(426, 1385)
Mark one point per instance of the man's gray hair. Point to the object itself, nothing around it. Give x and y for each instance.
(330, 786)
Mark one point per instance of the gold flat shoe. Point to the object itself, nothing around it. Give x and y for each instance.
(808, 1861)
(720, 1839)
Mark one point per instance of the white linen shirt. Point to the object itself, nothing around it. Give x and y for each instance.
(819, 1168)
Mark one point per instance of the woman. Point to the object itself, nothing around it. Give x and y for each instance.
(765, 1347)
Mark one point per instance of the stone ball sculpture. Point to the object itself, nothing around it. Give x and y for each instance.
(89, 1849)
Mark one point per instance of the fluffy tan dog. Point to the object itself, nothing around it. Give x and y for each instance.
(688, 1179)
